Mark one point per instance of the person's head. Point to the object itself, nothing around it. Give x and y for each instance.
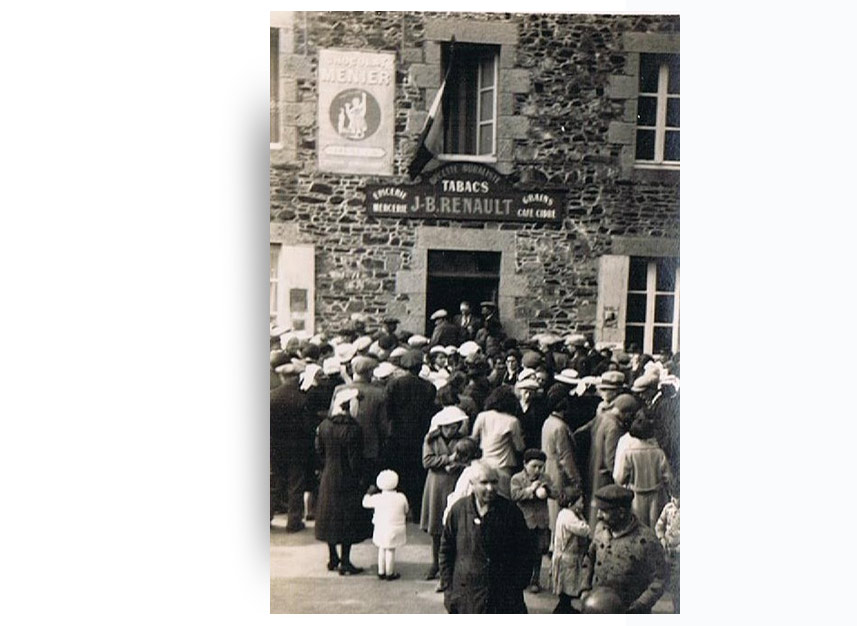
(610, 385)
(466, 450)
(543, 377)
(448, 431)
(484, 481)
(571, 497)
(447, 395)
(390, 324)
(387, 480)
(642, 427)
(345, 402)
(513, 363)
(437, 357)
(464, 307)
(502, 399)
(625, 407)
(614, 506)
(603, 600)
(363, 366)
(526, 389)
(534, 463)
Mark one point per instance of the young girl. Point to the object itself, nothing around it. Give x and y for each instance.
(668, 532)
(569, 573)
(530, 489)
(439, 458)
(391, 509)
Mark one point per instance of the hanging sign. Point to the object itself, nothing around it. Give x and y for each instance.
(356, 112)
(465, 191)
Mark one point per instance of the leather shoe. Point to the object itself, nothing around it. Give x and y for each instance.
(431, 574)
(349, 570)
(332, 565)
(296, 528)
(395, 576)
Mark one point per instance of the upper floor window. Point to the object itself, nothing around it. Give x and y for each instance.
(658, 110)
(470, 100)
(275, 85)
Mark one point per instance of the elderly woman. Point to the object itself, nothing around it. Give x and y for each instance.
(439, 458)
(500, 435)
(339, 514)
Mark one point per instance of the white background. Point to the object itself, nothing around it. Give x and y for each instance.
(134, 270)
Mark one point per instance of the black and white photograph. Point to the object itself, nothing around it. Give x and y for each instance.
(474, 312)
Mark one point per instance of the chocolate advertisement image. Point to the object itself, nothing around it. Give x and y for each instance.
(474, 312)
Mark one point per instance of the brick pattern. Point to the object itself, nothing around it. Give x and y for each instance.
(566, 130)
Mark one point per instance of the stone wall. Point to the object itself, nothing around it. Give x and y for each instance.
(570, 60)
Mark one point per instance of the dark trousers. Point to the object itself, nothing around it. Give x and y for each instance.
(289, 466)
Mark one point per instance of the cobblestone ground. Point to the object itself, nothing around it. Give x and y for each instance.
(300, 582)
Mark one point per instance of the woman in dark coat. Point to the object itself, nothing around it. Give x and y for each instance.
(339, 517)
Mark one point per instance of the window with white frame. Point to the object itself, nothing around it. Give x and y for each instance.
(275, 85)
(652, 312)
(470, 100)
(658, 110)
(275, 280)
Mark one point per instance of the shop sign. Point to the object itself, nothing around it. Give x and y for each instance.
(465, 191)
(356, 112)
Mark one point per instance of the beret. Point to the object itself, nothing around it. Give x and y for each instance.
(363, 365)
(387, 480)
(610, 496)
(626, 402)
(533, 453)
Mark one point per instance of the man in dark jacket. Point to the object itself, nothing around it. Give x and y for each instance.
(467, 323)
(291, 439)
(484, 563)
(445, 332)
(410, 405)
(624, 555)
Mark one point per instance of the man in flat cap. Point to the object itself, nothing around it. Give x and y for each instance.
(605, 439)
(445, 332)
(410, 405)
(371, 415)
(624, 555)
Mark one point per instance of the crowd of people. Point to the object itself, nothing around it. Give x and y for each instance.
(503, 450)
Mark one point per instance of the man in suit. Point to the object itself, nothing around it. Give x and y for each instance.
(466, 322)
(445, 333)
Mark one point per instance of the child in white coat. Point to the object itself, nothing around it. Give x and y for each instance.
(391, 510)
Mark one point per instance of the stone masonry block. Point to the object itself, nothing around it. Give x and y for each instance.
(289, 90)
(620, 87)
(412, 55)
(471, 31)
(651, 42)
(632, 64)
(515, 81)
(296, 66)
(424, 76)
(299, 113)
(629, 112)
(514, 126)
(416, 121)
(508, 54)
(432, 52)
(619, 132)
(505, 149)
(506, 103)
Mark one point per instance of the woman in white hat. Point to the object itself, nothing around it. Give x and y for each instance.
(447, 427)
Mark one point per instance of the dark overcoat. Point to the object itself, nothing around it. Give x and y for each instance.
(339, 515)
(485, 562)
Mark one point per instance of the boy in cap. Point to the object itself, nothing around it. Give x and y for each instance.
(445, 333)
(625, 555)
(531, 488)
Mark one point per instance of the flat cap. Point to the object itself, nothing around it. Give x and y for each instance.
(646, 381)
(363, 365)
(468, 348)
(488, 304)
(612, 380)
(575, 340)
(417, 341)
(531, 358)
(568, 376)
(613, 496)
(398, 352)
(626, 402)
(390, 320)
(384, 370)
(412, 359)
(345, 352)
(440, 313)
(528, 383)
(362, 343)
(436, 349)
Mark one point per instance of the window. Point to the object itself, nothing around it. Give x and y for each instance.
(652, 312)
(275, 262)
(275, 85)
(658, 110)
(470, 100)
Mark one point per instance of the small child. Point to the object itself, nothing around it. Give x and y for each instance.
(531, 488)
(667, 530)
(391, 510)
(569, 573)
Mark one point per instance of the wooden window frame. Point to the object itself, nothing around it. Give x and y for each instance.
(662, 98)
(651, 293)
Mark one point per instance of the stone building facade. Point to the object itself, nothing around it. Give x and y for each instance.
(584, 107)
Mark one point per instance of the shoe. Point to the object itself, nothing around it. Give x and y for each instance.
(382, 577)
(535, 588)
(332, 565)
(349, 569)
(440, 588)
(431, 574)
(295, 529)
(395, 576)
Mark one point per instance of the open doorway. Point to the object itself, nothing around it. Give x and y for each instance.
(457, 275)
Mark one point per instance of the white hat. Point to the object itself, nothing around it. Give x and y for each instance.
(345, 352)
(447, 415)
(528, 383)
(575, 340)
(398, 352)
(468, 348)
(450, 350)
(387, 480)
(331, 366)
(417, 341)
(568, 376)
(527, 372)
(361, 343)
(346, 395)
(359, 317)
(436, 349)
(384, 370)
(439, 314)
